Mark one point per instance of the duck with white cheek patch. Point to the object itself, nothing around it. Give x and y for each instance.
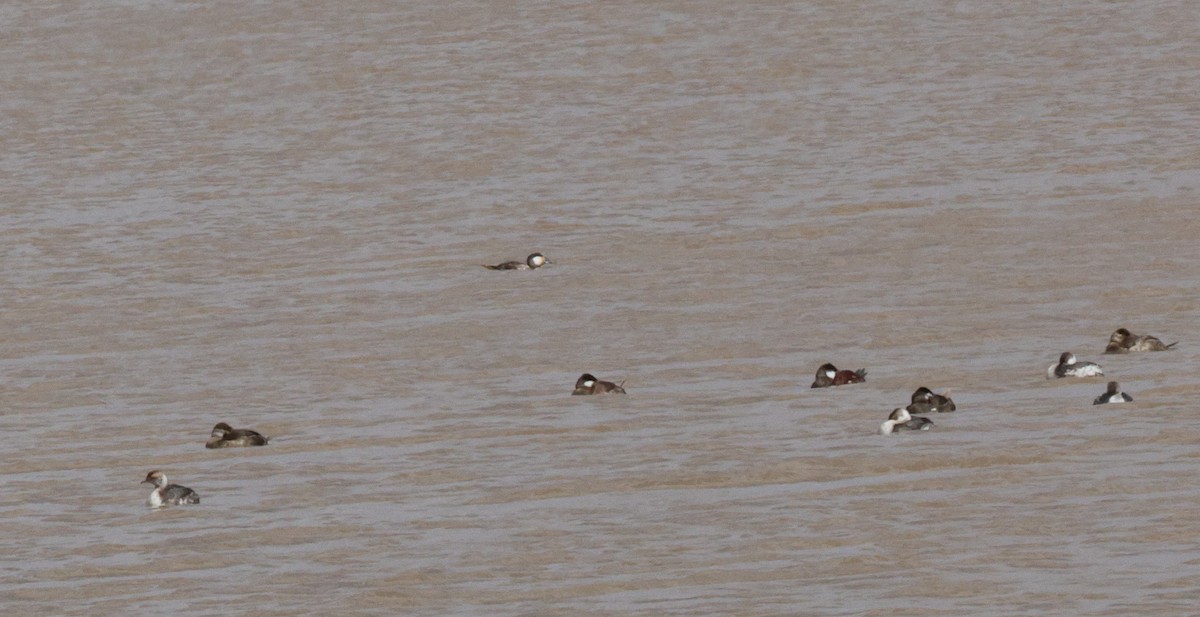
(828, 375)
(533, 262)
(588, 384)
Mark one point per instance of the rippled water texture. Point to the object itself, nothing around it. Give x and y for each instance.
(273, 214)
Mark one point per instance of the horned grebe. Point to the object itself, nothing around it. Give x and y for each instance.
(168, 494)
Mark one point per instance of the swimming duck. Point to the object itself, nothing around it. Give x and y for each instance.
(900, 420)
(588, 384)
(168, 494)
(1068, 366)
(1112, 395)
(533, 262)
(225, 436)
(925, 401)
(828, 375)
(1124, 341)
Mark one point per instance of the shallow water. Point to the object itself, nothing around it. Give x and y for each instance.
(273, 214)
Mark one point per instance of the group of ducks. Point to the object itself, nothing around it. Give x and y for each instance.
(222, 436)
(225, 436)
(587, 383)
(1121, 341)
(925, 401)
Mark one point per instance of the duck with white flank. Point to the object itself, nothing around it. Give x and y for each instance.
(1068, 366)
(165, 494)
(533, 262)
(1124, 341)
(1112, 395)
(901, 420)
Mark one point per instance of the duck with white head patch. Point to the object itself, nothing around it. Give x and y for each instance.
(829, 375)
(533, 262)
(588, 384)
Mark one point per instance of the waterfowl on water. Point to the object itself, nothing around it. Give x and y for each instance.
(1112, 395)
(925, 401)
(533, 262)
(1124, 341)
(165, 494)
(1068, 366)
(828, 375)
(588, 384)
(225, 436)
(901, 420)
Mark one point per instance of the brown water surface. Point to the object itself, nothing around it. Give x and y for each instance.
(273, 214)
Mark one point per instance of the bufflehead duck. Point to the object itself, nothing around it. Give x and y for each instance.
(900, 420)
(828, 375)
(1124, 341)
(588, 384)
(225, 436)
(533, 262)
(1068, 366)
(1112, 395)
(168, 494)
(925, 401)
